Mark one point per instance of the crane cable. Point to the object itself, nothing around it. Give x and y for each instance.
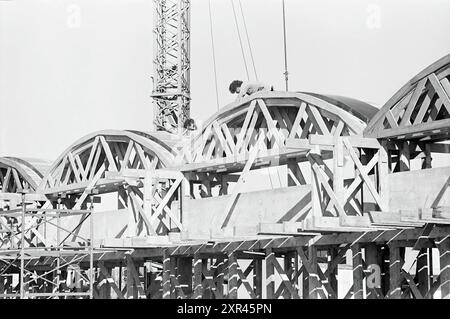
(286, 73)
(248, 40)
(213, 53)
(240, 39)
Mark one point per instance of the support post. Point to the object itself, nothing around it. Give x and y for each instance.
(197, 277)
(314, 284)
(338, 173)
(373, 280)
(257, 277)
(424, 271)
(332, 276)
(395, 267)
(287, 268)
(270, 274)
(184, 267)
(132, 290)
(166, 276)
(358, 274)
(315, 188)
(423, 278)
(206, 292)
(444, 258)
(232, 276)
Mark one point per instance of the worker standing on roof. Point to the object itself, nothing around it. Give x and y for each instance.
(243, 89)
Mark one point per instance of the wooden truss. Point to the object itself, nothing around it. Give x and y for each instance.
(17, 174)
(83, 165)
(420, 109)
(234, 134)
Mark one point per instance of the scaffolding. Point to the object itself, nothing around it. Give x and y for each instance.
(58, 274)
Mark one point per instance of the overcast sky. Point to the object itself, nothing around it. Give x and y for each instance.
(68, 68)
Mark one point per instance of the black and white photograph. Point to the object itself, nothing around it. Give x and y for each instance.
(224, 154)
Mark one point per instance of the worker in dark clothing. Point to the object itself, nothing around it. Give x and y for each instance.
(243, 89)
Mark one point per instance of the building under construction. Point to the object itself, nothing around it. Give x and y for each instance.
(360, 211)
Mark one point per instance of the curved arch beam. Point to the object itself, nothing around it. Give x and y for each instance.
(84, 163)
(419, 109)
(279, 115)
(14, 175)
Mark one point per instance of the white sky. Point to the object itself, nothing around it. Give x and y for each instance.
(58, 83)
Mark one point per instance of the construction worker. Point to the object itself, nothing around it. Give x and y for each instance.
(190, 125)
(243, 89)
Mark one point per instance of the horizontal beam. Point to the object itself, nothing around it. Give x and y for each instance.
(422, 129)
(18, 197)
(355, 141)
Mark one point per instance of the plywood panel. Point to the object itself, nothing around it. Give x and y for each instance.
(419, 189)
(268, 206)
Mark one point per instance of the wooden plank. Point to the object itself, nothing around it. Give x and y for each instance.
(311, 266)
(218, 133)
(140, 153)
(392, 122)
(283, 128)
(136, 206)
(422, 128)
(89, 187)
(80, 167)
(316, 118)
(169, 212)
(108, 276)
(424, 107)
(285, 115)
(229, 138)
(272, 128)
(90, 158)
(301, 144)
(316, 190)
(204, 139)
(364, 175)
(17, 179)
(285, 279)
(338, 174)
(412, 285)
(225, 217)
(166, 199)
(95, 162)
(327, 283)
(320, 174)
(440, 91)
(355, 141)
(126, 157)
(413, 101)
(245, 125)
(6, 180)
(76, 173)
(307, 128)
(339, 128)
(109, 156)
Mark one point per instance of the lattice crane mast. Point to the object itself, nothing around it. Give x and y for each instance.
(171, 65)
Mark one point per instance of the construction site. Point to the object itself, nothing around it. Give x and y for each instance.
(362, 209)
